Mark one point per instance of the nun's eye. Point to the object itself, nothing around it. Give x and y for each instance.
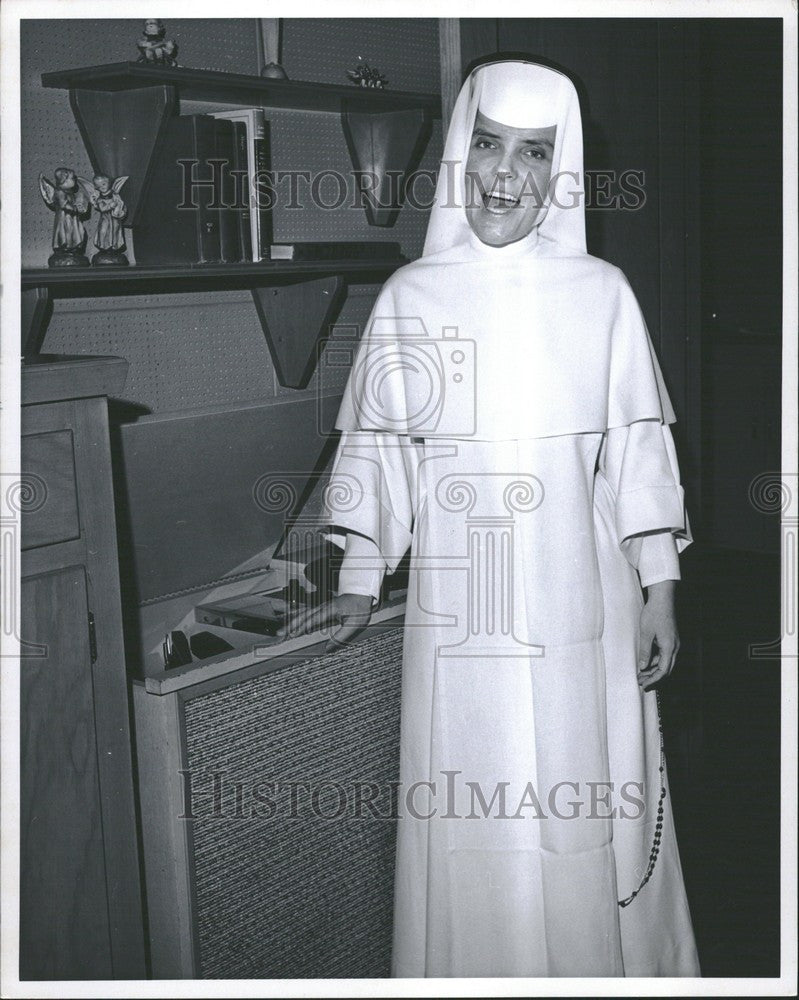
(484, 144)
(535, 153)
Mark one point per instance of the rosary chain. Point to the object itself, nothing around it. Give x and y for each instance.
(653, 854)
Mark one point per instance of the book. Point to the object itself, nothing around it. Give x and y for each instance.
(263, 613)
(241, 203)
(181, 216)
(258, 180)
(262, 185)
(229, 239)
(377, 249)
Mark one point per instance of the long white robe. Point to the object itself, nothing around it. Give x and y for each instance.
(519, 666)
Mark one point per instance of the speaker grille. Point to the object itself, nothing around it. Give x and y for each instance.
(297, 896)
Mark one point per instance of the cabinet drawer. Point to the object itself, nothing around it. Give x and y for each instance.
(50, 514)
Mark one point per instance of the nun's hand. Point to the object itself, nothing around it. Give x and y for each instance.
(658, 640)
(351, 612)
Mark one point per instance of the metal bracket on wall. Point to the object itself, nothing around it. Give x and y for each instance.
(385, 147)
(121, 130)
(294, 317)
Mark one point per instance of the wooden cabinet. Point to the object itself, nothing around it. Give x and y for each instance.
(80, 909)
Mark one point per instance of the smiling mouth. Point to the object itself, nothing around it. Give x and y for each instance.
(500, 204)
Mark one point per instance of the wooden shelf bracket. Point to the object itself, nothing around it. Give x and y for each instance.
(121, 130)
(295, 301)
(294, 317)
(37, 308)
(385, 147)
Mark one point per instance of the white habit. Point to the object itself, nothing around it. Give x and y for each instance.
(506, 419)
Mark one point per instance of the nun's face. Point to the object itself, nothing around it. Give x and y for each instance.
(507, 174)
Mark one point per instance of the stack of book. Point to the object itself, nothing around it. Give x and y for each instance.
(202, 203)
(252, 137)
(208, 199)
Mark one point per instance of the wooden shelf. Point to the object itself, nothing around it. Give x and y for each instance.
(237, 88)
(122, 110)
(75, 282)
(295, 302)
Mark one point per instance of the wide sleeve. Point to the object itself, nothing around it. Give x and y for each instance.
(636, 390)
(639, 465)
(371, 499)
(362, 568)
(658, 559)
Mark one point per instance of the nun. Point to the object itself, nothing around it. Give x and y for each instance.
(506, 421)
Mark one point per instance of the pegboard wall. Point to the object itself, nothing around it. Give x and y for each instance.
(205, 349)
(193, 350)
(50, 136)
(404, 49)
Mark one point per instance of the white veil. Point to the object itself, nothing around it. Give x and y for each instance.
(521, 95)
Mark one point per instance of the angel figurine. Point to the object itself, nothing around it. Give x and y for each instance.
(154, 48)
(109, 237)
(71, 207)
